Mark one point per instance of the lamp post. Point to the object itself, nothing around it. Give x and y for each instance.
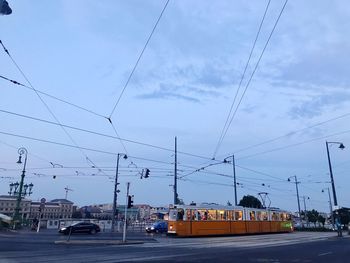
(234, 175)
(330, 205)
(296, 186)
(16, 216)
(116, 191)
(341, 146)
(305, 212)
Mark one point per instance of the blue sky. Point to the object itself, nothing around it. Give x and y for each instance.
(84, 51)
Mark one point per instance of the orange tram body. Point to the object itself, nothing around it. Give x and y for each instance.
(214, 220)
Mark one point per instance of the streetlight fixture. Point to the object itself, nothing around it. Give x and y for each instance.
(116, 191)
(330, 205)
(296, 186)
(234, 174)
(21, 151)
(341, 146)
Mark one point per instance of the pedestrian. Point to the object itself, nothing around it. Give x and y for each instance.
(338, 225)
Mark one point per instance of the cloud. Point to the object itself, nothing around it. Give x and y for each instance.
(318, 104)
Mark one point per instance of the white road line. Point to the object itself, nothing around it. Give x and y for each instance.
(324, 254)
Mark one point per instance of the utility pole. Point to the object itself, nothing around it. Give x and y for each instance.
(296, 186)
(126, 210)
(116, 191)
(330, 205)
(305, 212)
(234, 178)
(175, 175)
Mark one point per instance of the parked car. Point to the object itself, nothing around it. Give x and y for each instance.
(158, 227)
(82, 227)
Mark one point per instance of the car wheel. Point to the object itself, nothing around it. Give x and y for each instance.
(93, 231)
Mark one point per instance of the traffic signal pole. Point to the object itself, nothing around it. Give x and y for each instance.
(126, 210)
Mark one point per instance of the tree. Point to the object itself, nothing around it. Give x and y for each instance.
(321, 219)
(229, 203)
(312, 216)
(250, 201)
(344, 214)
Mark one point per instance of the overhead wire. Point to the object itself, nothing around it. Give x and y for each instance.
(43, 101)
(243, 75)
(138, 59)
(102, 134)
(251, 77)
(54, 97)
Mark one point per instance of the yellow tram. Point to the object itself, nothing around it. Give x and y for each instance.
(206, 220)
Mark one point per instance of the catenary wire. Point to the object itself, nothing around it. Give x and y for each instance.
(103, 135)
(138, 60)
(45, 104)
(53, 97)
(251, 77)
(243, 75)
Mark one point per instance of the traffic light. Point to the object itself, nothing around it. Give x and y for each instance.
(130, 201)
(146, 173)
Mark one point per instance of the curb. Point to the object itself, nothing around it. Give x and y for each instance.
(97, 242)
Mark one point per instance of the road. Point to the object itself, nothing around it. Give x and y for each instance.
(292, 247)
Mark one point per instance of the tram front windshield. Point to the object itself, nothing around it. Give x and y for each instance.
(176, 214)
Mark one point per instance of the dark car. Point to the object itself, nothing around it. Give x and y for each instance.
(82, 227)
(158, 227)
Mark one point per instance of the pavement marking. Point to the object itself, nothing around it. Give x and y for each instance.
(324, 254)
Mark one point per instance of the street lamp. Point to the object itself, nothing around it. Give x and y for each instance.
(16, 216)
(296, 186)
(330, 205)
(116, 191)
(341, 146)
(234, 175)
(305, 212)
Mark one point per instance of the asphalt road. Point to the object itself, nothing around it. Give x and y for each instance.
(294, 247)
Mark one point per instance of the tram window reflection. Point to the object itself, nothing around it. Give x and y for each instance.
(264, 216)
(274, 216)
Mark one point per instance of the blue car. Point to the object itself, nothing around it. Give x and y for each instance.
(158, 227)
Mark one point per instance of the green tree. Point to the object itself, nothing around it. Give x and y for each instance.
(321, 219)
(312, 216)
(250, 201)
(344, 214)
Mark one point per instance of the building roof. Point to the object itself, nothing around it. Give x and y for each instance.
(61, 201)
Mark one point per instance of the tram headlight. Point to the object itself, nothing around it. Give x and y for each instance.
(171, 227)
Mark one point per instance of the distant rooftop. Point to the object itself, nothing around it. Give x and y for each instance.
(61, 201)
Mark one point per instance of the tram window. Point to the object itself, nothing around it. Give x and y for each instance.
(172, 215)
(188, 215)
(283, 216)
(258, 216)
(264, 216)
(230, 215)
(180, 214)
(197, 215)
(239, 215)
(274, 216)
(212, 215)
(221, 215)
(289, 217)
(252, 215)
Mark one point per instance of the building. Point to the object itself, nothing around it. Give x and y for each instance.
(8, 205)
(54, 209)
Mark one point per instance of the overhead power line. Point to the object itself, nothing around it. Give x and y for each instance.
(45, 104)
(243, 75)
(53, 97)
(102, 134)
(139, 58)
(249, 81)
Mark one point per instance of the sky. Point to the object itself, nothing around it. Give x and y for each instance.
(82, 63)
